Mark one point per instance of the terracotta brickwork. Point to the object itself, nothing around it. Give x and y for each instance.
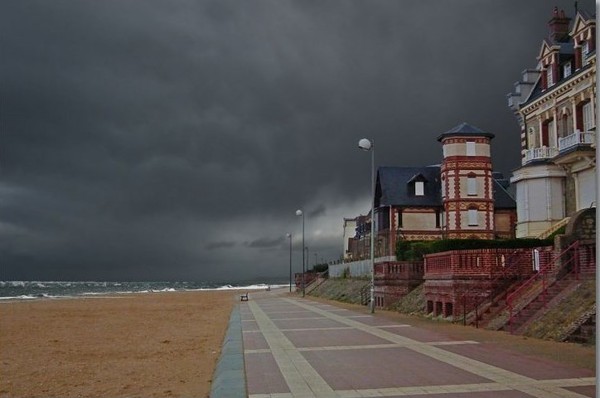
(395, 279)
(456, 280)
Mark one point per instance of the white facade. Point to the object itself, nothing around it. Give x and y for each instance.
(555, 107)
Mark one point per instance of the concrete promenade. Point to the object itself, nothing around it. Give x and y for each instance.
(300, 348)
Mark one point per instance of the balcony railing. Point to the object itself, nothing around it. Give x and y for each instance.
(540, 153)
(588, 137)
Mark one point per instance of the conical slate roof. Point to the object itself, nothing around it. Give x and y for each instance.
(465, 129)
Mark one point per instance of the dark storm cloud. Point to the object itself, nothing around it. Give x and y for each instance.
(265, 243)
(169, 140)
(219, 245)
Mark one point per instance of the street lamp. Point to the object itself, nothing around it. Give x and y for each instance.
(367, 145)
(301, 213)
(289, 236)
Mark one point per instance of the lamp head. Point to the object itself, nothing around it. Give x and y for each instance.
(298, 212)
(365, 144)
(288, 235)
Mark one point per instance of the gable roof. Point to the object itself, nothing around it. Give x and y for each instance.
(582, 20)
(465, 129)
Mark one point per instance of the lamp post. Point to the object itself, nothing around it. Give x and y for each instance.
(301, 213)
(289, 236)
(307, 264)
(367, 145)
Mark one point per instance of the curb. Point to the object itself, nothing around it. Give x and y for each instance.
(229, 379)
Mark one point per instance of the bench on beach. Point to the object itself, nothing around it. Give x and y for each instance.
(244, 297)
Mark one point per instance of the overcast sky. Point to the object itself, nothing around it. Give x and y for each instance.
(174, 140)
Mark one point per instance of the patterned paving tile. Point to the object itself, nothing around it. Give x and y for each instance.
(385, 368)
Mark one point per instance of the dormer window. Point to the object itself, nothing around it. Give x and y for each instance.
(417, 184)
(419, 188)
(585, 49)
(549, 76)
(567, 69)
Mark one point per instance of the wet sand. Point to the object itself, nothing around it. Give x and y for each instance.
(139, 345)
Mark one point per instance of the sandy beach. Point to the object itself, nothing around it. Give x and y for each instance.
(138, 345)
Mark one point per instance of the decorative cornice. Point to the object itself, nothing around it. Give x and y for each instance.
(559, 90)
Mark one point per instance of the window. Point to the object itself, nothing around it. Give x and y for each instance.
(567, 69)
(470, 148)
(473, 217)
(549, 76)
(585, 49)
(471, 185)
(552, 142)
(419, 188)
(438, 218)
(588, 117)
(443, 186)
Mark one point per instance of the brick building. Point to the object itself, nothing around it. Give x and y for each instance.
(554, 104)
(461, 198)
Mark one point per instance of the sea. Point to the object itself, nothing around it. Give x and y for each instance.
(39, 290)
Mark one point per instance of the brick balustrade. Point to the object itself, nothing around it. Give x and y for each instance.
(483, 263)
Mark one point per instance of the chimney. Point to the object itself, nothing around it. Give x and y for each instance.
(559, 26)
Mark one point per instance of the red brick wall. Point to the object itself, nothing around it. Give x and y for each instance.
(456, 280)
(482, 263)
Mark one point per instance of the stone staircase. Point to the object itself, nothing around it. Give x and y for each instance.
(494, 308)
(524, 317)
(582, 331)
(554, 228)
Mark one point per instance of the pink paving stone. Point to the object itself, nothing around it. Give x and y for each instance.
(325, 338)
(307, 324)
(385, 368)
(485, 394)
(263, 375)
(249, 325)
(534, 367)
(247, 317)
(293, 315)
(254, 341)
(370, 320)
(422, 335)
(588, 391)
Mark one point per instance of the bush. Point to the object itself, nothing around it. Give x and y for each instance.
(415, 250)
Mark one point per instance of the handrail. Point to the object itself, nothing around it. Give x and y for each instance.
(315, 280)
(365, 294)
(541, 274)
(502, 276)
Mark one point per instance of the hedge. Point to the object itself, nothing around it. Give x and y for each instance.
(414, 250)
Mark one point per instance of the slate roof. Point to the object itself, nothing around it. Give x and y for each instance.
(465, 129)
(395, 187)
(503, 198)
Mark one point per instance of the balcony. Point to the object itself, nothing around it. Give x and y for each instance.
(578, 138)
(542, 153)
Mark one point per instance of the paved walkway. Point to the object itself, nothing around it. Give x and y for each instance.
(300, 348)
